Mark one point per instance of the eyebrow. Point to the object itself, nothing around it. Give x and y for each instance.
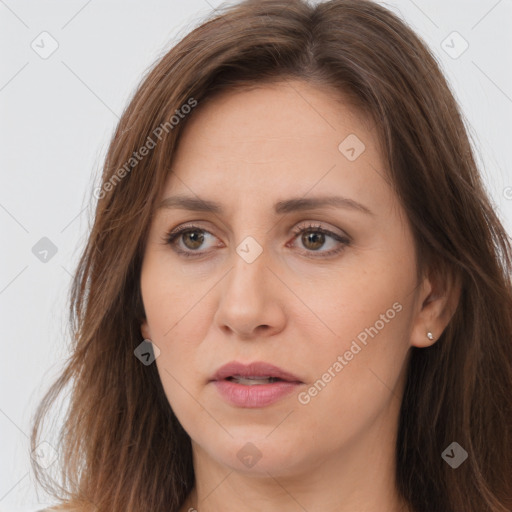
(281, 207)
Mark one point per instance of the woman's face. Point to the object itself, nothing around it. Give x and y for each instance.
(336, 307)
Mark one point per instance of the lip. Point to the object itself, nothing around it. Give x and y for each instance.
(254, 369)
(259, 395)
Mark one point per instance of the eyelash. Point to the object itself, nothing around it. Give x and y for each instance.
(173, 234)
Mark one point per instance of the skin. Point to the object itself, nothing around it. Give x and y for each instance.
(293, 306)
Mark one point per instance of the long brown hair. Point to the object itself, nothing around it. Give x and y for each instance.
(121, 447)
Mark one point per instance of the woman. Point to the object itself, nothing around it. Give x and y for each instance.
(296, 294)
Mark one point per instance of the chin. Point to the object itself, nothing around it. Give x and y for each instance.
(256, 453)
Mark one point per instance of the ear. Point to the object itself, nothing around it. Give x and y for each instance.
(144, 329)
(438, 299)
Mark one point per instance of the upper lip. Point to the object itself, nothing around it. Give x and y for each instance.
(254, 369)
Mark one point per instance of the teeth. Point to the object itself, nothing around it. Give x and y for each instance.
(253, 381)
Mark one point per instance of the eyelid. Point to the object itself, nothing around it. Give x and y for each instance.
(315, 226)
(187, 225)
(342, 239)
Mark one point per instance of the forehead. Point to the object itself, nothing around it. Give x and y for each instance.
(272, 140)
(274, 117)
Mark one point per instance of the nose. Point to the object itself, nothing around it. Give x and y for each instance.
(251, 300)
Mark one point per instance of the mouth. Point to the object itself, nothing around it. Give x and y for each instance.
(254, 374)
(254, 381)
(255, 385)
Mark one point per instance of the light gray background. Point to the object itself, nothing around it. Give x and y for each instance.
(57, 116)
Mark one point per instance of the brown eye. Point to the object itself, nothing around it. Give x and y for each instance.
(313, 240)
(315, 237)
(192, 239)
(188, 240)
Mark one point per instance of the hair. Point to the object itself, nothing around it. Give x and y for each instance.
(121, 448)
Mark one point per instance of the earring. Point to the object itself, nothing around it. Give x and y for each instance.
(430, 336)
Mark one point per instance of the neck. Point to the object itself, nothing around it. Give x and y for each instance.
(360, 476)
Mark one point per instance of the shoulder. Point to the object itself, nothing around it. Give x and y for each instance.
(69, 506)
(62, 508)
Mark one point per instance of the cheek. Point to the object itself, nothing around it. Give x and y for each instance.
(363, 300)
(178, 340)
(169, 303)
(365, 356)
(357, 363)
(356, 378)
(170, 296)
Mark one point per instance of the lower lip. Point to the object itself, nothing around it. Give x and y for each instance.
(258, 395)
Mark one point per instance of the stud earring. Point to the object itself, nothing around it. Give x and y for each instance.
(430, 336)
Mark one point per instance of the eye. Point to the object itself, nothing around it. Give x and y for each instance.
(192, 237)
(313, 237)
(188, 239)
